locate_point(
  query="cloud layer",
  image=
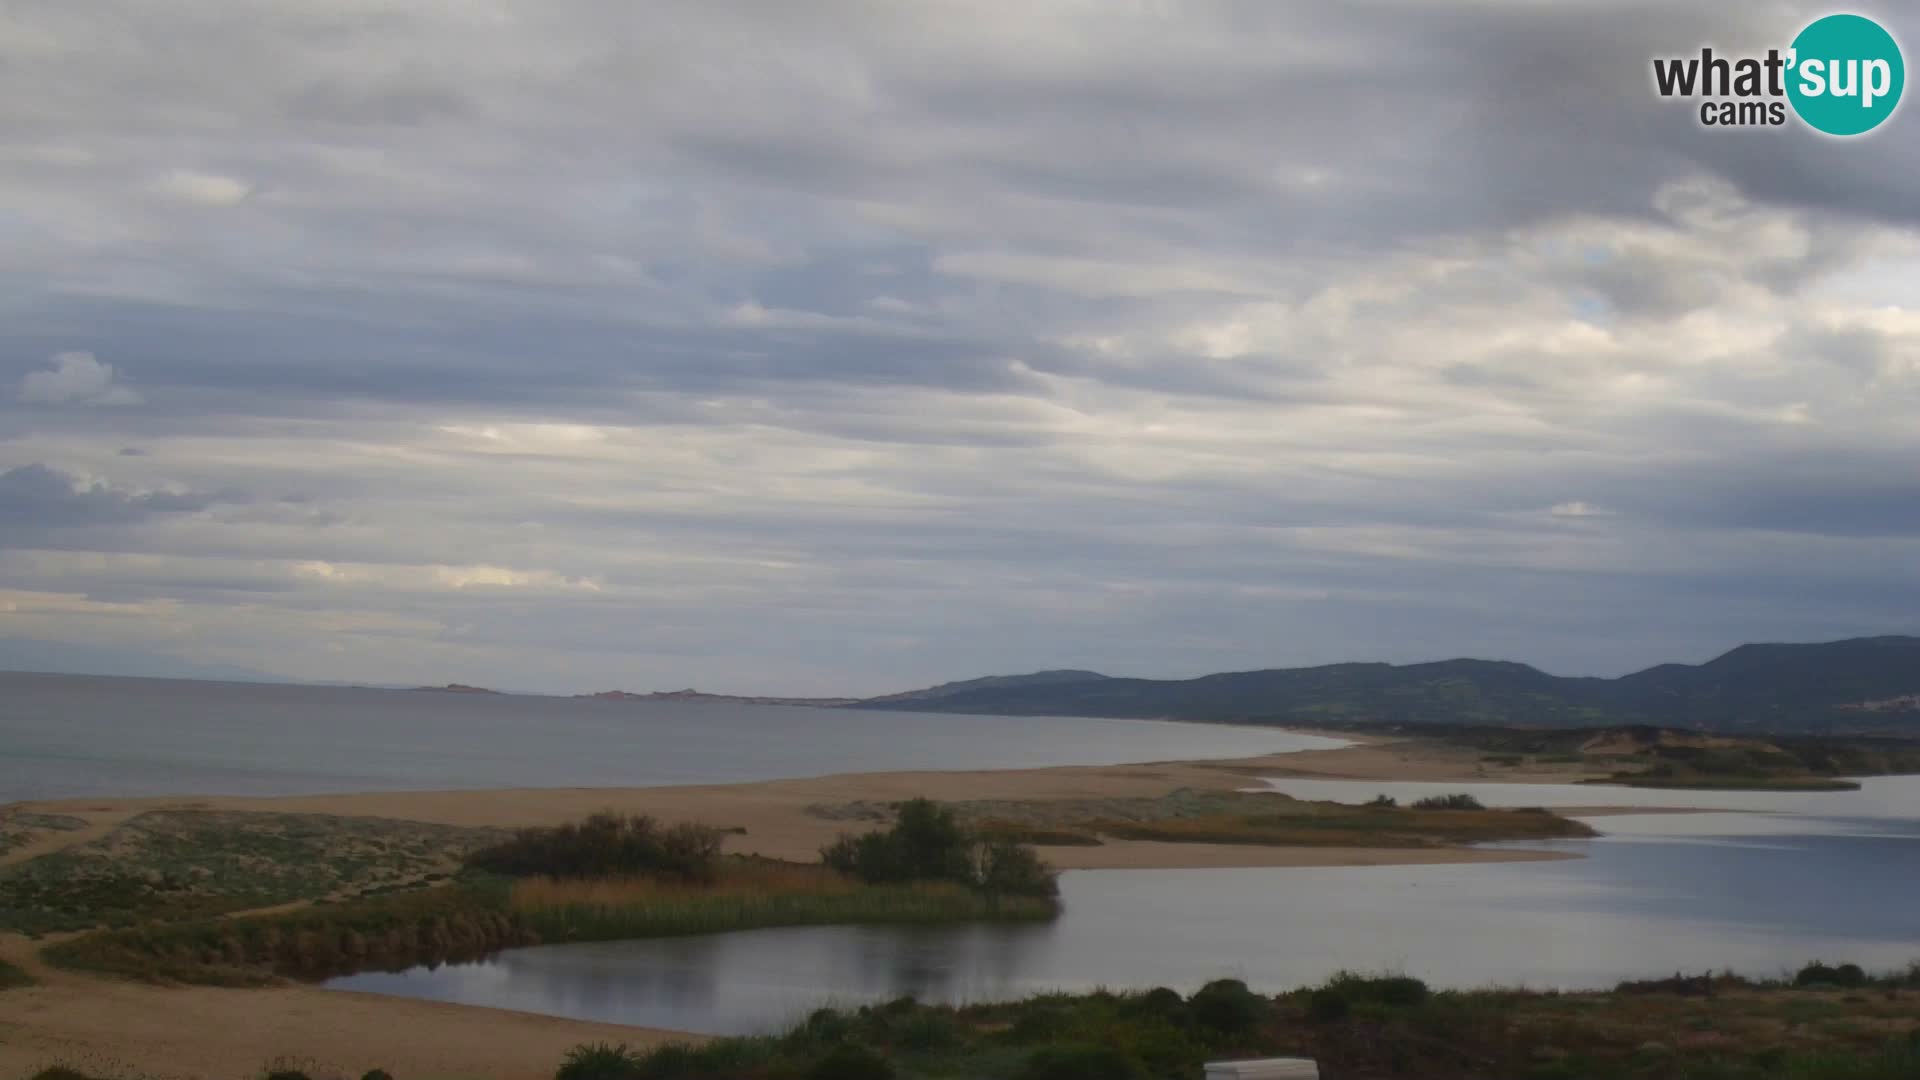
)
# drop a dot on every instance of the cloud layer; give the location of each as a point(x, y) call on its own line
point(566, 346)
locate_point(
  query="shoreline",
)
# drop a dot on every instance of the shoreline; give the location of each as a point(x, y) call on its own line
point(74, 1017)
point(777, 822)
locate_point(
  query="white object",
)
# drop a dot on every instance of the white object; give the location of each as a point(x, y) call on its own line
point(1264, 1069)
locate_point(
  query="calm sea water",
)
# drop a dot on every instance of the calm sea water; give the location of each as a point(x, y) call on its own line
point(67, 735)
point(1784, 880)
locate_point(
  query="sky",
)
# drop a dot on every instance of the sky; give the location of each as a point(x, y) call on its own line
point(842, 348)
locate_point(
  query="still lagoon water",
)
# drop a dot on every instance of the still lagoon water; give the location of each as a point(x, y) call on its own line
point(70, 736)
point(1781, 880)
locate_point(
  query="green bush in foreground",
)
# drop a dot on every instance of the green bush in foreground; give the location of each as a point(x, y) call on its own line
point(609, 1061)
point(851, 1062)
point(1082, 1062)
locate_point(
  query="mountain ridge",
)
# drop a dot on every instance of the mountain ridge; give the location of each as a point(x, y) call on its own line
point(1816, 687)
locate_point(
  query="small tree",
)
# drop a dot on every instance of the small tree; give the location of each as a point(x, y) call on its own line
point(927, 843)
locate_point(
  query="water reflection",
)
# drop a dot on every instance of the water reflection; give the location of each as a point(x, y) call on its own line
point(1657, 895)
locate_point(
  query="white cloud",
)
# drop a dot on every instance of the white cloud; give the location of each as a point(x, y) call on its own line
point(202, 188)
point(76, 378)
point(1578, 509)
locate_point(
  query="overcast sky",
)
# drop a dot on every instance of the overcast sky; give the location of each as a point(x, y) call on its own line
point(848, 347)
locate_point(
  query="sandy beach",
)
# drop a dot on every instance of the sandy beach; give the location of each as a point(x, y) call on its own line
point(204, 1032)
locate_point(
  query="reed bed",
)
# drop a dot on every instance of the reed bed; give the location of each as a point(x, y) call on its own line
point(747, 896)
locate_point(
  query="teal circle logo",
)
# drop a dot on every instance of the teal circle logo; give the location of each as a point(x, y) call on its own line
point(1847, 75)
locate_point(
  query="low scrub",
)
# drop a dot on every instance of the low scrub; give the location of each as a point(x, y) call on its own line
point(750, 896)
point(605, 845)
point(1460, 801)
point(1372, 1027)
point(436, 925)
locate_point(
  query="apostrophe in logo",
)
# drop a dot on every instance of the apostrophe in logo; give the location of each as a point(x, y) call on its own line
point(1842, 75)
point(1847, 74)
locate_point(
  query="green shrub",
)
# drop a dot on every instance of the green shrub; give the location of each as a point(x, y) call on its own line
point(928, 1029)
point(1397, 991)
point(376, 1074)
point(1327, 1005)
point(1385, 801)
point(851, 1062)
point(823, 1027)
point(605, 845)
point(927, 843)
point(1010, 869)
point(1162, 1003)
point(1448, 802)
point(1078, 1061)
point(1848, 976)
point(1227, 1006)
point(609, 1061)
point(60, 1072)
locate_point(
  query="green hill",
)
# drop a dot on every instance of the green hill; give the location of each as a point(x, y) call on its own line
point(1861, 685)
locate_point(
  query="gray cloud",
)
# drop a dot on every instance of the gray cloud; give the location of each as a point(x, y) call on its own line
point(36, 498)
point(850, 348)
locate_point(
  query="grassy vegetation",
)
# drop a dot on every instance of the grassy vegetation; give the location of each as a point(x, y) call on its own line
point(187, 864)
point(433, 925)
point(1232, 817)
point(470, 920)
point(1356, 1027)
point(609, 877)
point(12, 977)
point(745, 894)
point(19, 828)
point(605, 845)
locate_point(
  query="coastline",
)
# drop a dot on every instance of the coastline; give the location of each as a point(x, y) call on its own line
point(202, 1031)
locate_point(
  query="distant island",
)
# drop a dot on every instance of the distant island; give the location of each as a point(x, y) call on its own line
point(455, 688)
point(734, 699)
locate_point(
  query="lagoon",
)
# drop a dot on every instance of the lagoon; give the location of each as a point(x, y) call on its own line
point(1760, 890)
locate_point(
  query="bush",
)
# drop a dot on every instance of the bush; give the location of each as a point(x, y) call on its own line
point(851, 1062)
point(1848, 976)
point(1448, 802)
point(1076, 1061)
point(376, 1074)
point(605, 845)
point(824, 1027)
point(1327, 1005)
point(1227, 1006)
point(1397, 991)
point(1010, 869)
point(607, 1061)
point(1384, 801)
point(927, 843)
point(1162, 1003)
